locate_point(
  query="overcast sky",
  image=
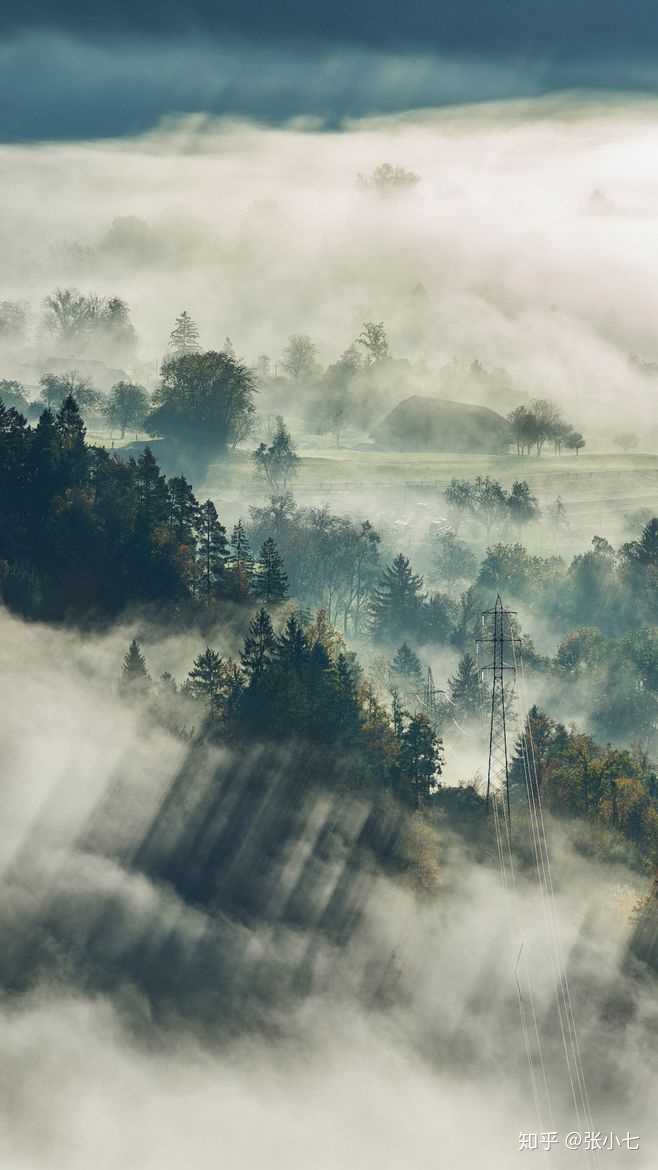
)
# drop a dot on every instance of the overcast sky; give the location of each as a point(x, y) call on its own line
point(69, 69)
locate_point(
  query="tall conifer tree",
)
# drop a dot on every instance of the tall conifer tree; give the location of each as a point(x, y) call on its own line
point(270, 577)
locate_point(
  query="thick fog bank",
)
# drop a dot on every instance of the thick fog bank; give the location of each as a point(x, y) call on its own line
point(368, 1026)
point(529, 235)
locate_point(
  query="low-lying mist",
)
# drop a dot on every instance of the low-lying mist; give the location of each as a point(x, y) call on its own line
point(529, 231)
point(314, 1010)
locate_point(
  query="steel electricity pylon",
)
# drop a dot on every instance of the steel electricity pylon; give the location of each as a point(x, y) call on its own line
point(497, 634)
point(431, 698)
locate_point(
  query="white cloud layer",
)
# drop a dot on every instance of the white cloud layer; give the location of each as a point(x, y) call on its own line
point(532, 229)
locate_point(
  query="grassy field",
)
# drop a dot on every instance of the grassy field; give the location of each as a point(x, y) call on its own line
point(606, 476)
point(604, 493)
point(587, 475)
point(593, 486)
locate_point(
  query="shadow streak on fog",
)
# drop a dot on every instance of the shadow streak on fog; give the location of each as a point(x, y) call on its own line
point(203, 966)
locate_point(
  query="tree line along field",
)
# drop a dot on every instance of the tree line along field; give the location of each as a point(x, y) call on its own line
point(589, 485)
point(593, 473)
point(86, 537)
point(608, 474)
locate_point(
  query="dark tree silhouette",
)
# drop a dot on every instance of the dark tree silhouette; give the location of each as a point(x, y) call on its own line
point(406, 666)
point(152, 496)
point(206, 679)
point(420, 760)
point(521, 504)
point(373, 339)
point(397, 602)
point(204, 400)
point(258, 647)
point(465, 688)
point(135, 678)
point(183, 517)
point(240, 562)
point(212, 546)
point(127, 406)
point(270, 580)
point(279, 462)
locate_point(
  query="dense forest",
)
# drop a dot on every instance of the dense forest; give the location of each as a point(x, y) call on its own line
point(89, 534)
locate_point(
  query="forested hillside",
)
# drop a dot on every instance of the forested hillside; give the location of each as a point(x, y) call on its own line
point(328, 619)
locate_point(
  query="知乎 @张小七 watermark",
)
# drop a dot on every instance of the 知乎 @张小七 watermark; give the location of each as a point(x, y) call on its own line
point(579, 1140)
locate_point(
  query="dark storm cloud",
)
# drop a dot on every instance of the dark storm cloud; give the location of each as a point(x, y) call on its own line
point(571, 28)
point(73, 70)
point(53, 86)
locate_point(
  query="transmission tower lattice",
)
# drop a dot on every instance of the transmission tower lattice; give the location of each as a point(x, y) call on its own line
point(498, 634)
point(431, 698)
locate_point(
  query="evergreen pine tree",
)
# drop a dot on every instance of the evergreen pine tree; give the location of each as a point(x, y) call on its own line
point(291, 649)
point(406, 667)
point(206, 678)
point(398, 714)
point(134, 675)
point(465, 688)
point(284, 707)
point(531, 751)
point(151, 491)
point(183, 510)
point(212, 548)
point(421, 758)
point(240, 550)
point(270, 577)
point(319, 693)
point(232, 689)
point(396, 607)
point(347, 709)
point(15, 469)
point(241, 562)
point(259, 644)
point(440, 616)
point(71, 428)
point(74, 455)
point(45, 479)
point(184, 337)
point(182, 523)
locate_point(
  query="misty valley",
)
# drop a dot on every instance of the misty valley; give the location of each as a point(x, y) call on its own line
point(329, 628)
